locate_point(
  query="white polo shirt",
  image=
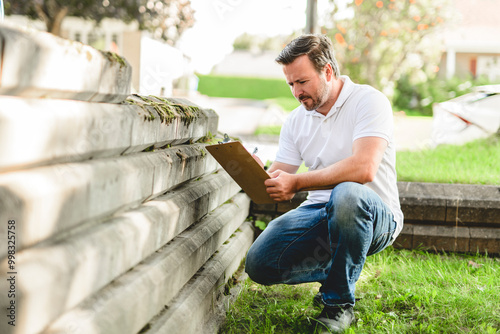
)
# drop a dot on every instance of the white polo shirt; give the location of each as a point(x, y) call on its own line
point(320, 141)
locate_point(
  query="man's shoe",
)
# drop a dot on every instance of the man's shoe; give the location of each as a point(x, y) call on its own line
point(336, 319)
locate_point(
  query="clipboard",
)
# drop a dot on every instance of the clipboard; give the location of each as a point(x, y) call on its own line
point(244, 170)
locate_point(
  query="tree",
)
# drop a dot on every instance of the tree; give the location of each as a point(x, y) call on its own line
point(382, 40)
point(261, 43)
point(166, 19)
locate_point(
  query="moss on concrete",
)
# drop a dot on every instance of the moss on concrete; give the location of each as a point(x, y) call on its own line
point(149, 116)
point(187, 113)
point(114, 58)
point(167, 110)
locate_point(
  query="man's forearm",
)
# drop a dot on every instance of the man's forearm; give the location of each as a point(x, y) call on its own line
point(347, 170)
point(361, 167)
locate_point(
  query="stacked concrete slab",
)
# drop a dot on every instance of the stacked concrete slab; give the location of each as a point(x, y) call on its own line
point(438, 217)
point(450, 217)
point(123, 221)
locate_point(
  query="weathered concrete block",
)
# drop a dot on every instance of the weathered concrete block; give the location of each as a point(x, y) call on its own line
point(188, 161)
point(485, 240)
point(169, 122)
point(473, 204)
point(192, 307)
point(36, 132)
point(40, 65)
point(422, 201)
point(405, 238)
point(71, 269)
point(441, 238)
point(145, 290)
point(39, 131)
point(48, 200)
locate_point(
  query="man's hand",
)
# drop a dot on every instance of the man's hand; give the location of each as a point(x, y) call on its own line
point(256, 158)
point(282, 186)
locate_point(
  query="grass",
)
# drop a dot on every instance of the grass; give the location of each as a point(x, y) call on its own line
point(476, 162)
point(243, 87)
point(286, 103)
point(268, 130)
point(400, 291)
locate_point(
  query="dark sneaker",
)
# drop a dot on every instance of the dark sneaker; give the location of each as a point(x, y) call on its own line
point(336, 319)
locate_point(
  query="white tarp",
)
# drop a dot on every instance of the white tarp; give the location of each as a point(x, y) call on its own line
point(468, 117)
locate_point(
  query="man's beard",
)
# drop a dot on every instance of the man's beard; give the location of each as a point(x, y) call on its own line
point(318, 101)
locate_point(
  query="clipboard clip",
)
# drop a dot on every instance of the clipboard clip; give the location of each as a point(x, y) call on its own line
point(225, 140)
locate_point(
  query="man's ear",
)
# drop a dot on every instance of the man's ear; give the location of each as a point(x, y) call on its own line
point(329, 72)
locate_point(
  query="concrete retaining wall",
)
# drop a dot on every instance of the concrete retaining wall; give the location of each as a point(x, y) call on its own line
point(438, 217)
point(450, 217)
point(111, 212)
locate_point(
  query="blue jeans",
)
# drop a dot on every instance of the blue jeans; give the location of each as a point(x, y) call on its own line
point(326, 243)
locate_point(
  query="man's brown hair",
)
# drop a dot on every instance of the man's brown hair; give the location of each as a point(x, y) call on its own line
point(318, 48)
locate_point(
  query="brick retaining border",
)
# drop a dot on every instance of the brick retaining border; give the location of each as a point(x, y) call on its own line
point(438, 217)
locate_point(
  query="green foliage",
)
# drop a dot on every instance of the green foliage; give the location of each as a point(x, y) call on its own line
point(243, 87)
point(384, 39)
point(268, 130)
point(259, 43)
point(260, 224)
point(399, 291)
point(419, 96)
point(244, 42)
point(477, 162)
point(156, 16)
point(286, 103)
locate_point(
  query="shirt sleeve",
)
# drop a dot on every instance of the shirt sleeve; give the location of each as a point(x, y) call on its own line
point(287, 150)
point(374, 117)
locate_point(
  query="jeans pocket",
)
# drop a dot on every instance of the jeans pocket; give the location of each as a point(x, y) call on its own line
point(381, 242)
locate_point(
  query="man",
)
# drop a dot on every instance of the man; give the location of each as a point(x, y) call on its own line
point(343, 132)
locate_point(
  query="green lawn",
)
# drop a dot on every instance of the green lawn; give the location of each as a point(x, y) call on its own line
point(477, 162)
point(400, 291)
point(243, 87)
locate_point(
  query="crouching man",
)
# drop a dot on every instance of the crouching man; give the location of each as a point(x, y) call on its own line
point(343, 132)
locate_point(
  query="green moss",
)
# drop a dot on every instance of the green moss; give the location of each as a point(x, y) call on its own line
point(114, 58)
point(149, 149)
point(187, 113)
point(149, 115)
point(166, 109)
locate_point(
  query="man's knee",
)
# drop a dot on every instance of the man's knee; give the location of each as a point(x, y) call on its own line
point(256, 268)
point(347, 199)
point(252, 265)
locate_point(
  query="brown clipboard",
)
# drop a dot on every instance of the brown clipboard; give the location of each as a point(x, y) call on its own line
point(244, 170)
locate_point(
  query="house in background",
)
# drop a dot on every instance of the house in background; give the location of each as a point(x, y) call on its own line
point(472, 44)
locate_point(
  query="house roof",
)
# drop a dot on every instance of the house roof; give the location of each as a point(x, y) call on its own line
point(475, 27)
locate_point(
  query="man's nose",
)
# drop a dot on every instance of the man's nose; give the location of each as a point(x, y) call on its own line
point(296, 91)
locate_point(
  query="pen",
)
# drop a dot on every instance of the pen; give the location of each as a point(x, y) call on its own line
point(255, 150)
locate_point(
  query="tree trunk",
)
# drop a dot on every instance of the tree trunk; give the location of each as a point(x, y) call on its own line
point(57, 21)
point(52, 15)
